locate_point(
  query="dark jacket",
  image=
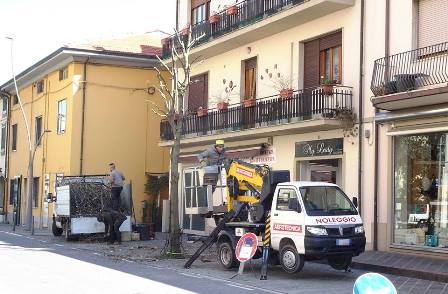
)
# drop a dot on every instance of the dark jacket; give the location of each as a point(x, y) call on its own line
point(212, 156)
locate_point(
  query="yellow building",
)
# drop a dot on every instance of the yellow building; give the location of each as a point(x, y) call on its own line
point(94, 100)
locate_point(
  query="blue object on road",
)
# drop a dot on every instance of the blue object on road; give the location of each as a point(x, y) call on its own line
point(373, 283)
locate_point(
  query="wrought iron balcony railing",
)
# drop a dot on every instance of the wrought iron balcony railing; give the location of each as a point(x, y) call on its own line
point(273, 110)
point(410, 70)
point(246, 13)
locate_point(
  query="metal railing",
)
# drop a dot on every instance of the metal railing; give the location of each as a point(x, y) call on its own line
point(273, 110)
point(410, 70)
point(247, 12)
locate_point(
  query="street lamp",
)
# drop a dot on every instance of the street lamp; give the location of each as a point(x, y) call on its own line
point(30, 164)
point(31, 180)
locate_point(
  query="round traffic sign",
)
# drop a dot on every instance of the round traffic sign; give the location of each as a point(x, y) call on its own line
point(246, 247)
point(373, 283)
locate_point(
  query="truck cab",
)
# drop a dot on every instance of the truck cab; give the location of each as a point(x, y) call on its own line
point(315, 220)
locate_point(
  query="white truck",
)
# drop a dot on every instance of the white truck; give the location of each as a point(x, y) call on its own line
point(78, 201)
point(293, 221)
point(309, 220)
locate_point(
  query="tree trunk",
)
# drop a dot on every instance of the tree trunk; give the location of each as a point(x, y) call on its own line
point(175, 246)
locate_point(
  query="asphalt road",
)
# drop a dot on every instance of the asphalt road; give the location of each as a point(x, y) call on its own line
point(33, 264)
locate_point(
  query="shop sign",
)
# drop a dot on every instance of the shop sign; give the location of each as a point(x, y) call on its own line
point(268, 157)
point(320, 148)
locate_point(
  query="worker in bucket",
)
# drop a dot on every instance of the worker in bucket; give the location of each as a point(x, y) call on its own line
point(214, 155)
point(112, 220)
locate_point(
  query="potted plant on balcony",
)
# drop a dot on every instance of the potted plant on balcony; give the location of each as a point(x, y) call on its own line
point(215, 16)
point(282, 83)
point(185, 30)
point(202, 112)
point(224, 97)
point(232, 9)
point(327, 86)
point(249, 102)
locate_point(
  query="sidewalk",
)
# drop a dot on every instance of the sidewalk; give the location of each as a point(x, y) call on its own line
point(407, 265)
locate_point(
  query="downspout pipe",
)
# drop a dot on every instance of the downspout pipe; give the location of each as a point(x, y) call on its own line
point(377, 137)
point(360, 106)
point(83, 112)
point(177, 14)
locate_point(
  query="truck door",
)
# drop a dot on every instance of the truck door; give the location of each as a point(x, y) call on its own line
point(287, 222)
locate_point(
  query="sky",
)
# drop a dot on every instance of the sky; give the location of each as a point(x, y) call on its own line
point(40, 27)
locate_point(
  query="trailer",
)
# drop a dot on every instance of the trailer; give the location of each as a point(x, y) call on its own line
point(79, 200)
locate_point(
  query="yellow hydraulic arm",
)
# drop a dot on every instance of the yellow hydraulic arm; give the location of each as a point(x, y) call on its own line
point(243, 177)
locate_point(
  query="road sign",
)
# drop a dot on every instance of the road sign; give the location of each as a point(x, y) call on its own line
point(246, 247)
point(373, 283)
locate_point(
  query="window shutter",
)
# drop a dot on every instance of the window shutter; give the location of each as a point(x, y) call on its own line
point(311, 64)
point(198, 92)
point(330, 41)
point(432, 22)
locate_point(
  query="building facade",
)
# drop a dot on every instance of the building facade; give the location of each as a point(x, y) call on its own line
point(94, 103)
point(297, 70)
point(409, 75)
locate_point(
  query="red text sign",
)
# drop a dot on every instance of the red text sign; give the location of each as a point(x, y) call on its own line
point(288, 228)
point(244, 172)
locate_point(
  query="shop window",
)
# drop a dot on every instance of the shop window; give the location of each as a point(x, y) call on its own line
point(421, 190)
point(330, 64)
point(283, 198)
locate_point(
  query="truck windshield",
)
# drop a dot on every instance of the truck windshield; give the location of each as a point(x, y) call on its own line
point(330, 200)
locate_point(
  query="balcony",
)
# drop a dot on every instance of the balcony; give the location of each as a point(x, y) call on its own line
point(305, 110)
point(411, 79)
point(234, 29)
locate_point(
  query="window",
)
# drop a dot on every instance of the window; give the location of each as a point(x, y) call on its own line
point(283, 198)
point(36, 192)
point(326, 200)
point(200, 11)
point(432, 23)
point(3, 139)
point(63, 73)
point(420, 190)
point(38, 131)
point(14, 191)
point(40, 87)
point(195, 196)
point(4, 106)
point(330, 64)
point(14, 137)
point(15, 99)
point(62, 116)
point(250, 78)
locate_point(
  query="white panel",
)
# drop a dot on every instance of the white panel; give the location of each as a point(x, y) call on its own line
point(62, 205)
point(90, 225)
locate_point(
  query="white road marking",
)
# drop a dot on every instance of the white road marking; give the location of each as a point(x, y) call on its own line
point(60, 245)
point(192, 276)
point(241, 287)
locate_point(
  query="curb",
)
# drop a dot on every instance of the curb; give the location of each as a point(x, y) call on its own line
point(431, 276)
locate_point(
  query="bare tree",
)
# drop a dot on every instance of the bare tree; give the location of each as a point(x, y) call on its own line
point(174, 109)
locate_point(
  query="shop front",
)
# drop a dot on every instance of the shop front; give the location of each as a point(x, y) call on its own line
point(420, 190)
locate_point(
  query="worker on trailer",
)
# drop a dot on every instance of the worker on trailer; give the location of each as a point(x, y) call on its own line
point(112, 220)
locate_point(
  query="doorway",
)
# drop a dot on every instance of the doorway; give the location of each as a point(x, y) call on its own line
point(324, 170)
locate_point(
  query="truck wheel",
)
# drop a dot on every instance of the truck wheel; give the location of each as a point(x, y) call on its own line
point(56, 230)
point(290, 260)
point(340, 262)
point(226, 255)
